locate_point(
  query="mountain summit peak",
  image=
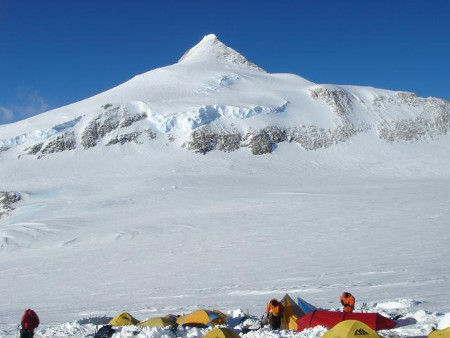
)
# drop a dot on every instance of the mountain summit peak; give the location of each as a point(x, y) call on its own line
point(209, 37)
point(211, 48)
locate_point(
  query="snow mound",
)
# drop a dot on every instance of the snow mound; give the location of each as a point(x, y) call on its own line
point(444, 322)
point(397, 304)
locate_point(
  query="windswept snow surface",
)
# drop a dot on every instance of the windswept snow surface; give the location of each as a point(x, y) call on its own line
point(152, 228)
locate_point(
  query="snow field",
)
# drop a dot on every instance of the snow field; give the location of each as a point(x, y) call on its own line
point(155, 232)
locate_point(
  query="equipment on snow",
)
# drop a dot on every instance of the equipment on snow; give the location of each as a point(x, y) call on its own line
point(264, 319)
point(105, 332)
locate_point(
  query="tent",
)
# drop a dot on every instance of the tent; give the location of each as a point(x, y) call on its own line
point(305, 306)
point(158, 322)
point(171, 317)
point(123, 319)
point(330, 318)
point(222, 332)
point(203, 318)
point(444, 333)
point(292, 313)
point(351, 329)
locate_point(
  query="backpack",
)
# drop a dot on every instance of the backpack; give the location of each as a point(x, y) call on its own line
point(105, 332)
point(30, 320)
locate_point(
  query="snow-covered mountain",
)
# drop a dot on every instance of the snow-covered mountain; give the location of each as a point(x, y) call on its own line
point(106, 205)
point(215, 99)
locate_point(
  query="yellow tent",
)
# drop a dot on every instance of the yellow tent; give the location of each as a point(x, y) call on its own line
point(203, 318)
point(171, 317)
point(444, 333)
point(158, 322)
point(123, 319)
point(222, 332)
point(291, 313)
point(351, 329)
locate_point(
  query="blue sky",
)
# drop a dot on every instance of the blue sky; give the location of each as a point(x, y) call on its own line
point(56, 52)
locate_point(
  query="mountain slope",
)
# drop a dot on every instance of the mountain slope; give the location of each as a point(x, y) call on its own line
point(214, 98)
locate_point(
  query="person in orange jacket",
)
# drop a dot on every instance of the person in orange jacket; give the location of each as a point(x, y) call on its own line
point(348, 302)
point(274, 311)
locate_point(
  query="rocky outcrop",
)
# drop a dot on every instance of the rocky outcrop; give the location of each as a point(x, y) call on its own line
point(114, 124)
point(34, 149)
point(338, 99)
point(58, 144)
point(275, 134)
point(204, 140)
point(259, 143)
point(229, 142)
point(313, 138)
point(125, 138)
point(7, 201)
point(114, 118)
point(132, 137)
point(151, 135)
point(263, 141)
point(90, 136)
point(433, 119)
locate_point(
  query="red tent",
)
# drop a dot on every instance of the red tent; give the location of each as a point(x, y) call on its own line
point(329, 319)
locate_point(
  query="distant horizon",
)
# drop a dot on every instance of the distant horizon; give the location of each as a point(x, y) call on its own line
point(58, 53)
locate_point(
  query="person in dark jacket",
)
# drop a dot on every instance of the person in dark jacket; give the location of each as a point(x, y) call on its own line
point(29, 322)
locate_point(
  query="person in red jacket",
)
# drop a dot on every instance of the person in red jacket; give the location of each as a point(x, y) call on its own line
point(348, 302)
point(29, 322)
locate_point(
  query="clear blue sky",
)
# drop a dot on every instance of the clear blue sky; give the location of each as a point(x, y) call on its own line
point(56, 52)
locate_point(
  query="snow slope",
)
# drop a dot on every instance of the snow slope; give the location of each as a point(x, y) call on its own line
point(350, 192)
